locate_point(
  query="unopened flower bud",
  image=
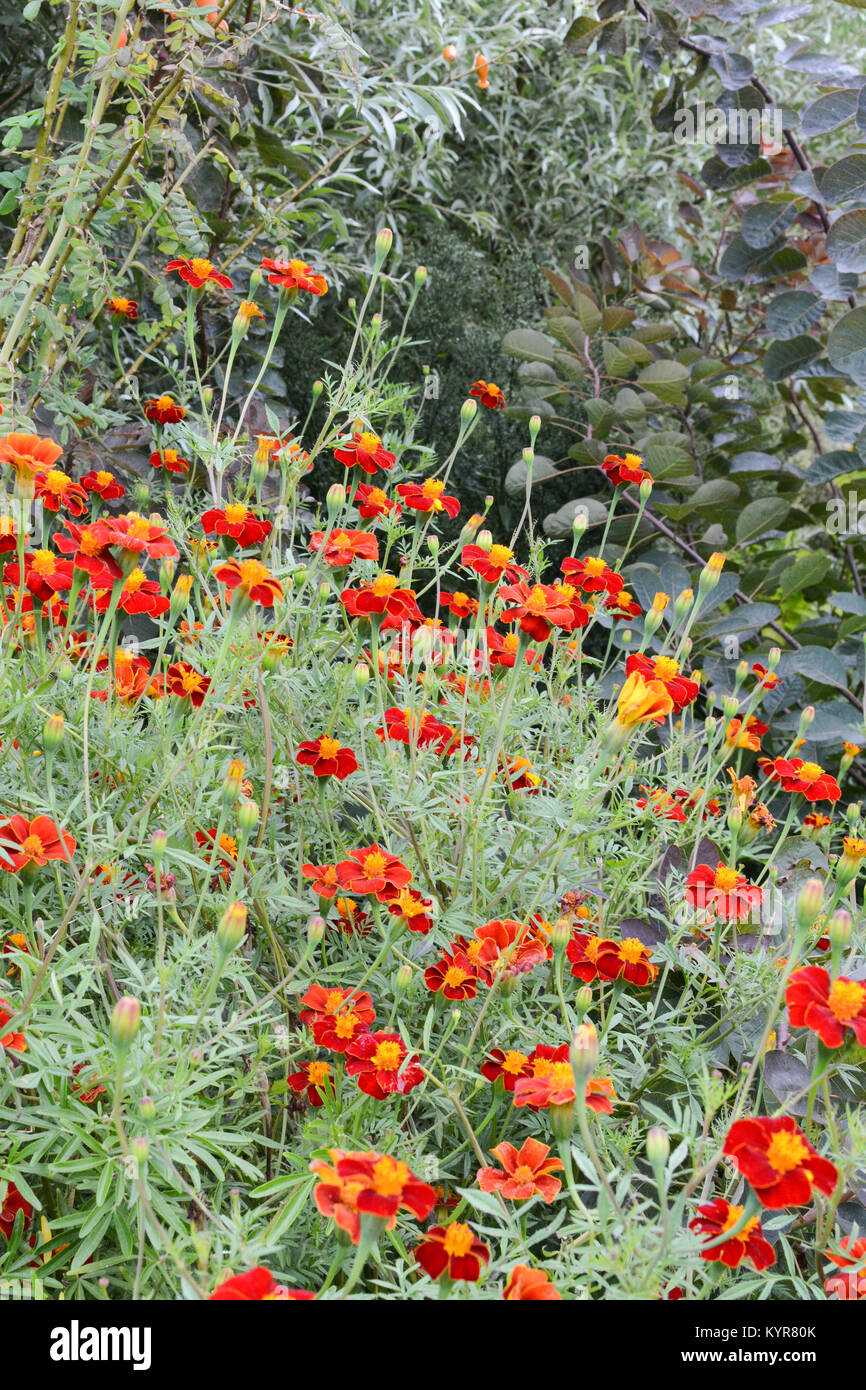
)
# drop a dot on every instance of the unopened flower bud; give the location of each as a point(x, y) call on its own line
point(139, 1148)
point(232, 928)
point(561, 935)
point(248, 816)
point(806, 719)
point(421, 276)
point(484, 540)
point(658, 1146)
point(468, 410)
point(323, 589)
point(166, 573)
point(207, 396)
point(233, 782)
point(53, 733)
point(125, 1020)
point(579, 523)
point(584, 1051)
point(146, 1108)
point(158, 844)
point(730, 706)
point(683, 602)
point(433, 545)
point(810, 900)
point(384, 242)
point(315, 929)
point(255, 281)
point(405, 976)
point(336, 499)
point(839, 929)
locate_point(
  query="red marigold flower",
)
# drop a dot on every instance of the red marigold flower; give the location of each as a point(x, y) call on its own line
point(748, 735)
point(164, 410)
point(382, 598)
point(421, 729)
point(511, 947)
point(187, 683)
point(103, 483)
point(666, 670)
point(816, 821)
point(29, 455)
point(256, 1286)
point(295, 275)
point(510, 1066)
point(526, 1172)
point(850, 1256)
point(136, 535)
point(379, 1062)
point(723, 891)
point(314, 1078)
point(327, 757)
point(124, 308)
point(454, 975)
point(429, 496)
point(582, 950)
point(340, 548)
point(828, 1007)
point(489, 394)
point(55, 489)
point(89, 549)
point(453, 1250)
point(776, 1158)
point(132, 678)
point(460, 604)
point(581, 612)
point(527, 1285)
point(372, 870)
point(88, 1096)
point(252, 580)
point(796, 776)
point(591, 575)
point(12, 1203)
point(600, 1095)
point(351, 919)
point(713, 1219)
point(319, 1003)
point(325, 882)
point(768, 680)
point(25, 843)
point(170, 460)
point(199, 272)
point(410, 908)
point(628, 960)
point(661, 803)
point(502, 651)
point(238, 522)
point(364, 451)
point(357, 1183)
point(44, 574)
point(536, 609)
point(621, 471)
point(551, 1082)
point(490, 565)
point(138, 595)
point(622, 605)
point(372, 502)
point(13, 1042)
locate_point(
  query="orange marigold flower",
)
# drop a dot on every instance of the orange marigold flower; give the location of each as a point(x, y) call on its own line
point(622, 471)
point(123, 308)
point(667, 671)
point(454, 975)
point(55, 489)
point(315, 1078)
point(340, 548)
point(748, 735)
point(849, 1257)
point(257, 1285)
point(410, 908)
point(320, 1002)
point(768, 680)
point(642, 702)
point(489, 394)
point(851, 750)
point(714, 1218)
point(164, 410)
point(353, 1184)
point(251, 580)
point(237, 522)
point(170, 460)
point(372, 870)
point(510, 1066)
point(527, 1285)
point(13, 1042)
point(429, 496)
point(28, 454)
point(295, 275)
point(628, 960)
point(325, 882)
point(382, 1065)
point(29, 844)
point(327, 757)
point(460, 604)
point(103, 483)
point(723, 891)
point(776, 1158)
point(537, 608)
point(526, 1172)
point(372, 502)
point(453, 1250)
point(89, 1095)
point(796, 776)
point(592, 575)
point(134, 535)
point(187, 683)
point(828, 1007)
point(816, 821)
point(199, 272)
point(551, 1083)
point(382, 599)
point(365, 451)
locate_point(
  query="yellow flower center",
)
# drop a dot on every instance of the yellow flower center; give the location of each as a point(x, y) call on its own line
point(201, 268)
point(253, 572)
point(236, 512)
point(809, 773)
point(134, 581)
point(458, 1239)
point(369, 442)
point(523, 1173)
point(514, 1062)
point(725, 878)
point(32, 847)
point(786, 1151)
point(536, 601)
point(385, 584)
point(665, 668)
point(43, 562)
point(390, 1176)
point(454, 976)
point(334, 1000)
point(328, 747)
point(345, 1024)
point(374, 864)
point(56, 481)
point(500, 555)
point(854, 849)
point(165, 402)
point(561, 1074)
point(431, 487)
point(317, 1072)
point(104, 478)
point(846, 1000)
point(409, 906)
point(229, 845)
point(593, 564)
point(191, 680)
point(632, 950)
point(138, 527)
point(387, 1056)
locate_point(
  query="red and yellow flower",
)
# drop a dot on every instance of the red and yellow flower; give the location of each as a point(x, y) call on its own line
point(527, 1285)
point(354, 1184)
point(327, 757)
point(779, 1163)
point(429, 496)
point(295, 275)
point(526, 1172)
point(164, 410)
point(365, 451)
point(724, 892)
point(382, 1065)
point(315, 1078)
point(30, 844)
point(453, 1250)
point(251, 580)
point(199, 272)
point(488, 392)
point(622, 470)
point(237, 522)
point(714, 1218)
point(340, 548)
point(809, 779)
point(828, 1007)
